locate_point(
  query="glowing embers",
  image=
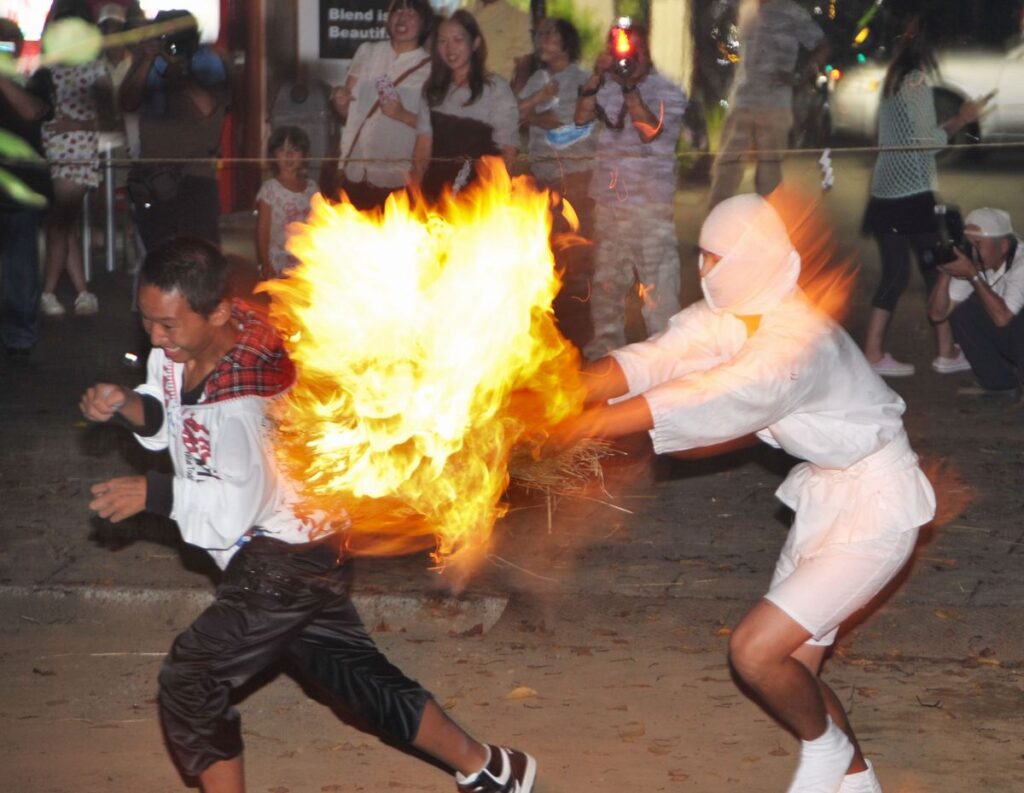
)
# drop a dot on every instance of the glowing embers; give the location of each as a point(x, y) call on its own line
point(425, 347)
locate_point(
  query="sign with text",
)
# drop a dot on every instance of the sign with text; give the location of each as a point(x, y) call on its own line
point(345, 24)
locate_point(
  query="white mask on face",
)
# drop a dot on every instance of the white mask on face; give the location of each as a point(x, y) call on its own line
point(758, 265)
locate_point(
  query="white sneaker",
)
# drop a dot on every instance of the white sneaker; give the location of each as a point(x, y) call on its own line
point(863, 782)
point(50, 305)
point(86, 303)
point(887, 366)
point(957, 363)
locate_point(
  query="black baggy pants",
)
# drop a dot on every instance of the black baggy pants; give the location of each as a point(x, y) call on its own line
point(278, 601)
point(996, 354)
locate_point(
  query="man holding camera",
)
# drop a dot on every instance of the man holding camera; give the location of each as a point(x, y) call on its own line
point(981, 293)
point(181, 91)
point(633, 187)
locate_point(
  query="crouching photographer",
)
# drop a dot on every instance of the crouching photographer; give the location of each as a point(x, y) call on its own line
point(980, 290)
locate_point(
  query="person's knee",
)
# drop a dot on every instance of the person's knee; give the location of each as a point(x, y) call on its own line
point(748, 654)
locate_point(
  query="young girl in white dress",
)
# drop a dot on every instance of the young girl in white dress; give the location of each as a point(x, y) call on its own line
point(283, 199)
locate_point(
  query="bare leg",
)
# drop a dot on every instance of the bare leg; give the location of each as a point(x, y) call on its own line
point(811, 656)
point(761, 652)
point(60, 236)
point(769, 653)
point(874, 340)
point(944, 339)
point(442, 738)
point(224, 776)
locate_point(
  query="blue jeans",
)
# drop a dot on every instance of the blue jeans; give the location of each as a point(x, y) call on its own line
point(19, 284)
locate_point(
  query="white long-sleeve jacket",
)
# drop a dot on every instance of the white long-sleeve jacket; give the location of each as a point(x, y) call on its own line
point(801, 384)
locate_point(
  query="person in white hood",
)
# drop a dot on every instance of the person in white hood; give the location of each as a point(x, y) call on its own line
point(756, 356)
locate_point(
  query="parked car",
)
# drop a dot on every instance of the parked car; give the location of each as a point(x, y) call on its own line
point(962, 74)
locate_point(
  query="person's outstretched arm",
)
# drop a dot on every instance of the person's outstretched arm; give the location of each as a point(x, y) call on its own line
point(122, 496)
point(604, 380)
point(103, 401)
point(602, 422)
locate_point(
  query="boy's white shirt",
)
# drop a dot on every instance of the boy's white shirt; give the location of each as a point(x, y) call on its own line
point(225, 481)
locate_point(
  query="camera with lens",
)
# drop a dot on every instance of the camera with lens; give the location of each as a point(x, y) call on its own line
point(622, 46)
point(182, 42)
point(951, 235)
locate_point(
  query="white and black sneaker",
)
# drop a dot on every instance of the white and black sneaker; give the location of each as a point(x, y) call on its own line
point(508, 771)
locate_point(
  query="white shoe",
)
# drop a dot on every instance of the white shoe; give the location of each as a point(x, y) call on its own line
point(958, 363)
point(863, 782)
point(50, 305)
point(887, 366)
point(86, 303)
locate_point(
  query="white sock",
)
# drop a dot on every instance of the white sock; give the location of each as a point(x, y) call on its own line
point(823, 762)
point(468, 780)
point(862, 781)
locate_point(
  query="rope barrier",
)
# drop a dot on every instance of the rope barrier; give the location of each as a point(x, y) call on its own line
point(221, 162)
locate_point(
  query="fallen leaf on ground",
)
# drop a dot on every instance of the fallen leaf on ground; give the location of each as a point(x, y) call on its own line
point(521, 692)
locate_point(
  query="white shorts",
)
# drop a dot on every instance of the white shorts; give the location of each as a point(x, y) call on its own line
point(821, 590)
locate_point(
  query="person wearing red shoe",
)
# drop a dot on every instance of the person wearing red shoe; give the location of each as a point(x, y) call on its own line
point(981, 295)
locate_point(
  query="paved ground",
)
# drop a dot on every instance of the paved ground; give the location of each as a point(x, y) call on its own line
point(596, 641)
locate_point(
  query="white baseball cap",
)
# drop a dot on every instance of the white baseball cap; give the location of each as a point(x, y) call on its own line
point(988, 222)
point(111, 11)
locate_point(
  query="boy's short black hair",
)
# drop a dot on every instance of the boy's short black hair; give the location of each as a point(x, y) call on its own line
point(192, 266)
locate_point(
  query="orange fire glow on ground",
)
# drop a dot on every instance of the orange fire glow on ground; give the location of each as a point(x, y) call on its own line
point(426, 348)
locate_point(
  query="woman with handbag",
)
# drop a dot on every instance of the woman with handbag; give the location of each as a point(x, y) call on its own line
point(468, 113)
point(379, 103)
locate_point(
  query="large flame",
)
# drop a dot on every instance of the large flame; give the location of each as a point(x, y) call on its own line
point(425, 348)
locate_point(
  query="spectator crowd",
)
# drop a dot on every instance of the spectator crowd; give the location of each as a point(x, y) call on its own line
point(419, 108)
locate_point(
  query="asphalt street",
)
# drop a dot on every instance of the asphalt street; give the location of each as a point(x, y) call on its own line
point(693, 539)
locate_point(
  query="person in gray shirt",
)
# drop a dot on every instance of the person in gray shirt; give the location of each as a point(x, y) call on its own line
point(561, 157)
point(761, 103)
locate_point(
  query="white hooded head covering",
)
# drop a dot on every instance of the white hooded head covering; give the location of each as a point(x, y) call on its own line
point(759, 266)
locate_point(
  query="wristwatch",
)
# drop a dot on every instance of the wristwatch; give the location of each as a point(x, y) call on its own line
point(975, 278)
